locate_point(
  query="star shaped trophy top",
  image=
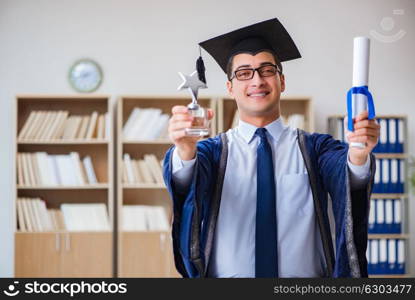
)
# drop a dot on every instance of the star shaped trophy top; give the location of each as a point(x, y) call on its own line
point(194, 82)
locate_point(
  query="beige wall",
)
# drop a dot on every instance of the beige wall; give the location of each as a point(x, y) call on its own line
point(142, 44)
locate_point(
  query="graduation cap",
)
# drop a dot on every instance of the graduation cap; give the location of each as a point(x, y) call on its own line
point(267, 35)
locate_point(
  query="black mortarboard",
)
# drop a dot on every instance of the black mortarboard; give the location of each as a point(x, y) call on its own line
point(266, 35)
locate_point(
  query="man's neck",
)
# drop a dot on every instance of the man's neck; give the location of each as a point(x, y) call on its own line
point(260, 121)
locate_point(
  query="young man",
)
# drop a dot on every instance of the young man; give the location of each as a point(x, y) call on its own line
point(252, 202)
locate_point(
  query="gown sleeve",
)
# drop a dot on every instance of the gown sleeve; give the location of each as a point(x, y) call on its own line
point(189, 207)
point(350, 206)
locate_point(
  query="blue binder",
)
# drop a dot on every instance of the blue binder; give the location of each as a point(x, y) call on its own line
point(397, 223)
point(372, 217)
point(392, 257)
point(399, 136)
point(401, 176)
point(400, 249)
point(378, 175)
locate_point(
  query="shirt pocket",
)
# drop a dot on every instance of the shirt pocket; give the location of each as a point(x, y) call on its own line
point(294, 194)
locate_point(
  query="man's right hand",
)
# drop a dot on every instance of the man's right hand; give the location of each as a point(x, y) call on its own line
point(180, 120)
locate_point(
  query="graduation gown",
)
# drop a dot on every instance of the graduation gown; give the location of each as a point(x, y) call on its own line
point(195, 211)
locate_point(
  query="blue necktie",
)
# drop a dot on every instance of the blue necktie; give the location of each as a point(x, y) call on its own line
point(266, 256)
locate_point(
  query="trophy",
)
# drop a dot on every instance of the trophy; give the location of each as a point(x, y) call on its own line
point(193, 82)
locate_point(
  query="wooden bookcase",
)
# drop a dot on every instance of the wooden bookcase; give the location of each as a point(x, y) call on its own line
point(65, 253)
point(145, 253)
point(226, 108)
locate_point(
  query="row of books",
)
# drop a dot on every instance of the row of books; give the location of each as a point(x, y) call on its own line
point(385, 216)
point(144, 218)
point(42, 169)
point(391, 139)
point(386, 256)
point(86, 216)
point(147, 170)
point(60, 125)
point(34, 216)
point(146, 124)
point(390, 176)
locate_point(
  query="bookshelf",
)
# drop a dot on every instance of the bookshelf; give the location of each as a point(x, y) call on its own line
point(389, 218)
point(65, 253)
point(145, 253)
point(290, 106)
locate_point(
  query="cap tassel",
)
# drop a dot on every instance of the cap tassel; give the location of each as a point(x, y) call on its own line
point(200, 67)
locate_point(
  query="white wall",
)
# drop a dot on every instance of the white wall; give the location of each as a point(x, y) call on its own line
point(142, 44)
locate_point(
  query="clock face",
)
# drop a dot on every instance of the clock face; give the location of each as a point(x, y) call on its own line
point(85, 75)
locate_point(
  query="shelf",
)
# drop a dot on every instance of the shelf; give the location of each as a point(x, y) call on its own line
point(389, 196)
point(60, 187)
point(143, 186)
point(63, 142)
point(388, 236)
point(148, 142)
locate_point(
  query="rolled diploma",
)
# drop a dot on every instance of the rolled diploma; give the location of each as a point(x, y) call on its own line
point(361, 48)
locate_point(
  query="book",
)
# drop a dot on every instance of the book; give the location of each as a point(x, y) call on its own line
point(144, 170)
point(60, 126)
point(50, 125)
point(91, 132)
point(89, 169)
point(101, 127)
point(27, 125)
point(20, 216)
point(129, 168)
point(83, 127)
point(154, 167)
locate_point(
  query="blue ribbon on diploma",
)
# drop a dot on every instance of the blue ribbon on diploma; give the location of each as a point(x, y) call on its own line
point(364, 90)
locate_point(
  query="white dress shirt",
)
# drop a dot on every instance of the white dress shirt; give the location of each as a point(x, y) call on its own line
point(300, 251)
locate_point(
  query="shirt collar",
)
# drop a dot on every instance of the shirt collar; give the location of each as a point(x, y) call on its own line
point(247, 131)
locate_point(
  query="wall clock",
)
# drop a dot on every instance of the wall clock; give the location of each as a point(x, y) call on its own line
point(85, 75)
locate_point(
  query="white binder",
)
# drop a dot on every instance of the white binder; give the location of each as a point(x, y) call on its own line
point(380, 212)
point(383, 131)
point(382, 251)
point(385, 171)
point(400, 131)
point(394, 170)
point(392, 251)
point(377, 173)
point(372, 212)
point(374, 248)
point(392, 131)
point(388, 212)
point(401, 251)
point(397, 211)
point(402, 174)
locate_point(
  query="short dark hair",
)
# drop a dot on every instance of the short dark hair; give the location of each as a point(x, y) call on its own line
point(229, 66)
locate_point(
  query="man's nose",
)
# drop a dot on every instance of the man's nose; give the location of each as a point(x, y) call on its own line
point(257, 80)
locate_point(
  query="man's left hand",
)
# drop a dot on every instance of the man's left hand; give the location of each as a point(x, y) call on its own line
point(366, 132)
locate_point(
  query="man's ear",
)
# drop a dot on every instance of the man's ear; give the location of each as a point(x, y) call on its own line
point(282, 81)
point(229, 87)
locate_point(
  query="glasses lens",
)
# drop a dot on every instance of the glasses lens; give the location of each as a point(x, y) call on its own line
point(266, 71)
point(244, 74)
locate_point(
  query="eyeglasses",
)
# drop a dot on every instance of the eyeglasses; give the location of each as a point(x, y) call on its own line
point(263, 71)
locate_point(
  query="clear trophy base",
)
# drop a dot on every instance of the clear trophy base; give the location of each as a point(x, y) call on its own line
point(197, 131)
